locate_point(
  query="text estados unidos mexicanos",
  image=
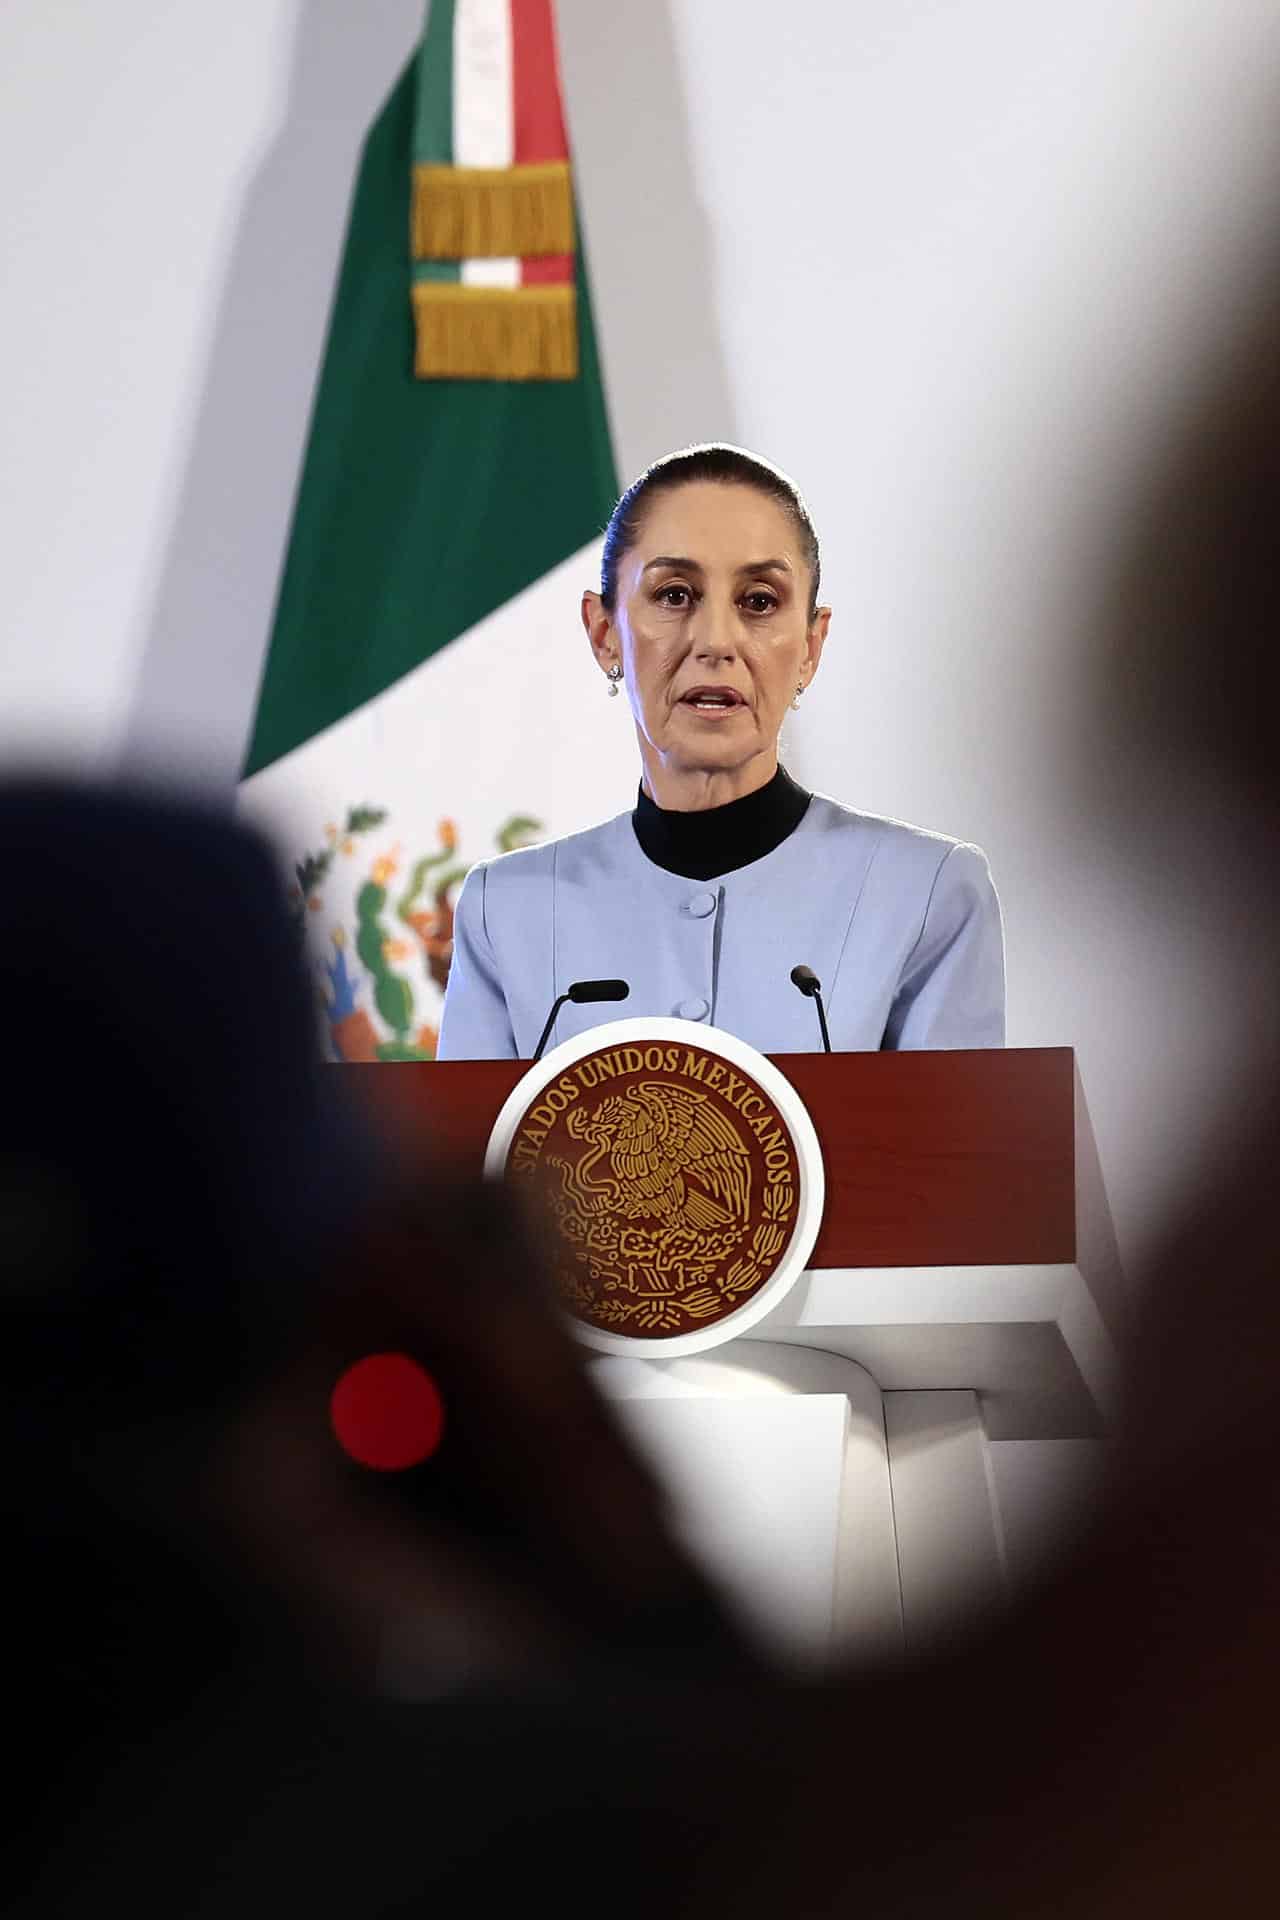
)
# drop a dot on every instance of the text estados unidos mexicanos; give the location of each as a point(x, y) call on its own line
point(710, 1073)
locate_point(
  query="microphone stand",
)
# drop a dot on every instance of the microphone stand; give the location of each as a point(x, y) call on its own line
point(811, 987)
point(582, 993)
point(551, 1020)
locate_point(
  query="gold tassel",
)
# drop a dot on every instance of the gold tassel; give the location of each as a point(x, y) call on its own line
point(495, 333)
point(492, 213)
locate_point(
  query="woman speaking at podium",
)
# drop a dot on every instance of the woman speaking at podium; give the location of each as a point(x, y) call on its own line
point(727, 875)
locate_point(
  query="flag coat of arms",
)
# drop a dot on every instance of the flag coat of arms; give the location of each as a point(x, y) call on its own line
point(428, 698)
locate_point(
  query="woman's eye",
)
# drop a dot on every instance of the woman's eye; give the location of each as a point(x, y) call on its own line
point(674, 596)
point(760, 601)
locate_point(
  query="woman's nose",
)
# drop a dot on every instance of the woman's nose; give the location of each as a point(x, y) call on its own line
point(715, 633)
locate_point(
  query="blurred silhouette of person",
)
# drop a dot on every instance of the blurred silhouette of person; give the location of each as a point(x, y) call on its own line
point(200, 1230)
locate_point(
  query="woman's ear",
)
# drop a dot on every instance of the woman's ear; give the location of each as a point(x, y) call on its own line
point(815, 641)
point(598, 622)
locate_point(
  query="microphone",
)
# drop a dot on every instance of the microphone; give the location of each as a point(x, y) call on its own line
point(811, 987)
point(582, 993)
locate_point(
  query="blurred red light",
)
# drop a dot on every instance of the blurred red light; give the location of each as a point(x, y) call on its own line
point(387, 1413)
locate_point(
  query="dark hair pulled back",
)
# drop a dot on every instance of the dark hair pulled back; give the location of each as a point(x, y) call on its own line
point(728, 465)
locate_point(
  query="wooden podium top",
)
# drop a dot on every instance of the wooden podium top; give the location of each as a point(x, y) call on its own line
point(932, 1159)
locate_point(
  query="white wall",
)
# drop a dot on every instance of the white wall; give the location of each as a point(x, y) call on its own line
point(945, 262)
point(173, 182)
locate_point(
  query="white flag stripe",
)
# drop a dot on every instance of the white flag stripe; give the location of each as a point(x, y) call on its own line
point(483, 91)
point(511, 719)
point(491, 273)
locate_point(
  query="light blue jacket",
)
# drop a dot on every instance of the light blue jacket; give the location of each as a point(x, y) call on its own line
point(902, 927)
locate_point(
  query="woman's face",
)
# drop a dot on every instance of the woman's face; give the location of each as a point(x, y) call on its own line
point(711, 628)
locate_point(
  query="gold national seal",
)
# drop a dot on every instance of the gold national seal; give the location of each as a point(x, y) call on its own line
point(672, 1180)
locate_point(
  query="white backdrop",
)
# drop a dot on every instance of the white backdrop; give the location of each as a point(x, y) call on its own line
point(944, 262)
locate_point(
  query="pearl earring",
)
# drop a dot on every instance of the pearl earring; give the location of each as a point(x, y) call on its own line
point(795, 703)
point(615, 674)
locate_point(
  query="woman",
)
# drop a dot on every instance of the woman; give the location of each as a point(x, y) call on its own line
point(727, 874)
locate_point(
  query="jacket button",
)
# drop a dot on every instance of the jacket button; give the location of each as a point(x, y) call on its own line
point(700, 905)
point(692, 1010)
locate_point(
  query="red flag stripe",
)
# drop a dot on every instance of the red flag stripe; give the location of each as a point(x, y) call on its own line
point(546, 269)
point(538, 115)
point(535, 68)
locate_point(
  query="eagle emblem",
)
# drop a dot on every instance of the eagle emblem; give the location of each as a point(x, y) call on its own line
point(652, 1195)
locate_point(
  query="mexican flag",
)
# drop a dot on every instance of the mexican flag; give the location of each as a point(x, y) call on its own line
point(428, 697)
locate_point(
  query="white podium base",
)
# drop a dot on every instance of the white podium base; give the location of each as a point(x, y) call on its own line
point(776, 1464)
point(837, 1520)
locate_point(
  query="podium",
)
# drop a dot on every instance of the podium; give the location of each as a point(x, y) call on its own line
point(965, 1289)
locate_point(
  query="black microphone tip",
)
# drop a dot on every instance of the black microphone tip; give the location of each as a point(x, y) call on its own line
point(583, 992)
point(806, 979)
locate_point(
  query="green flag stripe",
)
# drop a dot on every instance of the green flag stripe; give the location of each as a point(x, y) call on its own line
point(424, 504)
point(437, 269)
point(433, 121)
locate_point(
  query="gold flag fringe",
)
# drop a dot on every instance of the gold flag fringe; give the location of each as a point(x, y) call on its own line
point(492, 213)
point(495, 333)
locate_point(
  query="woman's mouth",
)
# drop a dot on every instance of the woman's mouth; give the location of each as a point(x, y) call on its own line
point(714, 702)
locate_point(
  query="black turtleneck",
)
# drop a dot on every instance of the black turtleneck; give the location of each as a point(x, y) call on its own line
point(719, 839)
